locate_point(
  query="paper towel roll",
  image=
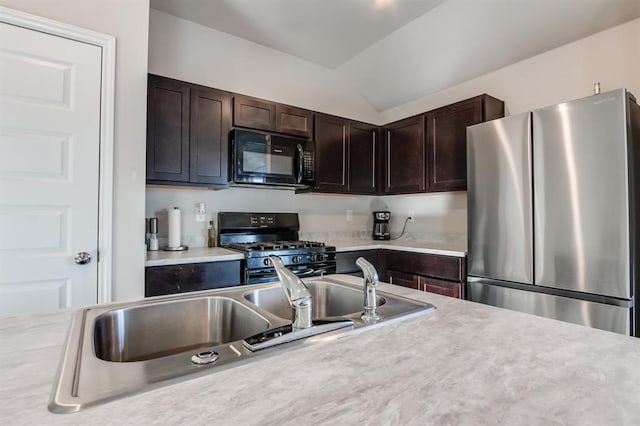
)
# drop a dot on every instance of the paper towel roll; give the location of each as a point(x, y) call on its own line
point(174, 227)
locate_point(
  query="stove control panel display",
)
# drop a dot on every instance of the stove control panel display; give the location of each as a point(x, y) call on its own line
point(262, 220)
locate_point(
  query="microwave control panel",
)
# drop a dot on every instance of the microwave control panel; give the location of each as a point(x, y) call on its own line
point(308, 166)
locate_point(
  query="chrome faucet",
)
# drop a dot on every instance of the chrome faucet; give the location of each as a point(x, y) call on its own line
point(370, 284)
point(297, 294)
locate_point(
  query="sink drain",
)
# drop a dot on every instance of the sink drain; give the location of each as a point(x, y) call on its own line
point(206, 357)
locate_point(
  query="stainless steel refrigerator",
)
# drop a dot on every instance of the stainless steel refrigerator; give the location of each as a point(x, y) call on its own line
point(553, 220)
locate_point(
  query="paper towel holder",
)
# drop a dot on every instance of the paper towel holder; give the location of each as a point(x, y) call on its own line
point(175, 215)
point(179, 248)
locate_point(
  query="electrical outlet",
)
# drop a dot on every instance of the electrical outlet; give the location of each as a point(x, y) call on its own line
point(349, 215)
point(200, 212)
point(412, 216)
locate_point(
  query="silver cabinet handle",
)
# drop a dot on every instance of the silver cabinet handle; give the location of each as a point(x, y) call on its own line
point(82, 258)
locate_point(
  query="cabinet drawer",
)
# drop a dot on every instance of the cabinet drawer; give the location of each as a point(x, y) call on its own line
point(346, 260)
point(430, 265)
point(170, 279)
point(445, 288)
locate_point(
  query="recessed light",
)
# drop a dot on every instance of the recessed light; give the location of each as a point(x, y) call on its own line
point(381, 4)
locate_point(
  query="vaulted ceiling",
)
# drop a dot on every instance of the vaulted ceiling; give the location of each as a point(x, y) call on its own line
point(395, 51)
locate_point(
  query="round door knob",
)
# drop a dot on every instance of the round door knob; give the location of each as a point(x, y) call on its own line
point(82, 258)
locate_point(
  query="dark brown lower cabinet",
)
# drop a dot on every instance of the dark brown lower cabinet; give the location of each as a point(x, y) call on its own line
point(445, 275)
point(171, 279)
point(346, 261)
point(445, 288)
point(403, 279)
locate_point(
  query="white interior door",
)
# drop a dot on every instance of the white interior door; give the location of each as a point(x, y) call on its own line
point(49, 170)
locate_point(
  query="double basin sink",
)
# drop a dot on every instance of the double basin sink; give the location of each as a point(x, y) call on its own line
point(121, 349)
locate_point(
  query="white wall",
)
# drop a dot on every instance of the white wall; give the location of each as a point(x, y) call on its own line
point(128, 21)
point(187, 51)
point(322, 216)
point(191, 52)
point(440, 216)
point(611, 57)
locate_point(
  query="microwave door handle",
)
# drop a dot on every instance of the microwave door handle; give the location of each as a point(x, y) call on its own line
point(300, 162)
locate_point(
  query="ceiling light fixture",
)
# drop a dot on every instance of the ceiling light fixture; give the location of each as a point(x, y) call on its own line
point(381, 4)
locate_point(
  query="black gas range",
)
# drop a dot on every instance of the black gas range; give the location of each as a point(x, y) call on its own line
point(260, 235)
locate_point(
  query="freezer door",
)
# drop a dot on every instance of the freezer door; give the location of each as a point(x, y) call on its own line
point(499, 198)
point(581, 196)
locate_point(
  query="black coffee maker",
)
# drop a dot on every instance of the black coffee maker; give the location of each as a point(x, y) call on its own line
point(381, 225)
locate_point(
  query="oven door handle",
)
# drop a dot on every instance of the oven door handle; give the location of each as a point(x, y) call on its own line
point(320, 270)
point(300, 162)
point(306, 273)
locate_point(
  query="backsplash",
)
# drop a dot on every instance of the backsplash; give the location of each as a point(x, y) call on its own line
point(323, 217)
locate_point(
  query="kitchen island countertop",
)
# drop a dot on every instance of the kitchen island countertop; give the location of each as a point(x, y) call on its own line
point(465, 363)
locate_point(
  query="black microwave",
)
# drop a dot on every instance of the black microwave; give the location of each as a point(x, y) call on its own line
point(259, 158)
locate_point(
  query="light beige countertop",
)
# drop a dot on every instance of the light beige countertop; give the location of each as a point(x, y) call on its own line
point(446, 248)
point(193, 255)
point(217, 254)
point(464, 363)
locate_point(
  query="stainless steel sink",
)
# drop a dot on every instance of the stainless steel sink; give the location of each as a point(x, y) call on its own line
point(157, 330)
point(329, 300)
point(120, 349)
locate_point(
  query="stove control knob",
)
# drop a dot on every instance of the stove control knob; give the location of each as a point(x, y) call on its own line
point(267, 262)
point(295, 259)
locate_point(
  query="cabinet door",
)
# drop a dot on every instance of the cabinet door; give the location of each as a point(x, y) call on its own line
point(331, 153)
point(362, 158)
point(403, 279)
point(447, 143)
point(209, 135)
point(445, 288)
point(167, 130)
point(405, 156)
point(294, 121)
point(254, 113)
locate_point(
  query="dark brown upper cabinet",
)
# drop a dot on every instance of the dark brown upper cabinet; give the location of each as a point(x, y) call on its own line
point(167, 130)
point(362, 154)
point(272, 117)
point(404, 156)
point(346, 156)
point(331, 153)
point(209, 136)
point(294, 121)
point(188, 127)
point(187, 133)
point(254, 113)
point(447, 139)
